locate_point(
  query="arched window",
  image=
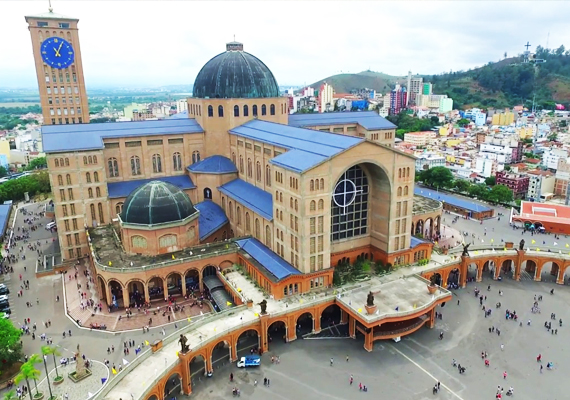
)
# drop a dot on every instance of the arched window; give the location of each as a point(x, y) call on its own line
point(60, 180)
point(272, 109)
point(220, 111)
point(88, 177)
point(96, 176)
point(408, 172)
point(138, 242)
point(68, 179)
point(98, 191)
point(207, 193)
point(321, 204)
point(61, 162)
point(101, 217)
point(245, 111)
point(296, 205)
point(281, 197)
point(210, 111)
point(119, 208)
point(167, 241)
point(267, 236)
point(249, 168)
point(56, 162)
point(405, 190)
point(258, 171)
point(84, 160)
point(90, 193)
point(90, 160)
point(135, 165)
point(195, 157)
point(113, 166)
point(291, 203)
point(224, 235)
point(247, 222)
point(224, 204)
point(317, 184)
point(400, 191)
point(263, 109)
point(322, 183)
point(236, 111)
point(313, 205)
point(238, 215)
point(234, 158)
point(268, 175)
point(66, 162)
point(177, 162)
point(231, 210)
point(93, 217)
point(257, 229)
point(94, 159)
point(255, 110)
point(241, 164)
point(399, 172)
point(312, 185)
point(156, 163)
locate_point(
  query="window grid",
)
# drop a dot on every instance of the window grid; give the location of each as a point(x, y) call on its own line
point(351, 220)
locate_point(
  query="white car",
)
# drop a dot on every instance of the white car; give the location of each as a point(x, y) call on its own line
point(6, 316)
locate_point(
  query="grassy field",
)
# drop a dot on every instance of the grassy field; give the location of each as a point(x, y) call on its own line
point(11, 105)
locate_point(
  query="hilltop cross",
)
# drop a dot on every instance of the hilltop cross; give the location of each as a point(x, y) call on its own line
point(527, 45)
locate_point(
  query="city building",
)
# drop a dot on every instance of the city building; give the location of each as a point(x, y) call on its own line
point(429, 160)
point(516, 182)
point(181, 106)
point(59, 69)
point(419, 138)
point(485, 167)
point(540, 185)
point(551, 157)
point(414, 88)
point(398, 98)
point(554, 218)
point(504, 118)
point(561, 178)
point(427, 88)
point(445, 105)
point(325, 98)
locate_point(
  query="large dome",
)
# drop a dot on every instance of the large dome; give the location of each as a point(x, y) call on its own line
point(156, 202)
point(235, 74)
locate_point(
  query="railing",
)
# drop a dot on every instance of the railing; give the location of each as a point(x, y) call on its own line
point(232, 286)
point(210, 317)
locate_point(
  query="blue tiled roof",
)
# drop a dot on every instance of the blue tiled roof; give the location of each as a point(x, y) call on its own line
point(213, 165)
point(369, 120)
point(450, 199)
point(252, 197)
point(274, 264)
point(74, 137)
point(4, 217)
point(180, 115)
point(123, 189)
point(414, 241)
point(211, 218)
point(311, 147)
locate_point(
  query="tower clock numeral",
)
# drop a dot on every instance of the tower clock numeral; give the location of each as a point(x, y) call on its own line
point(55, 40)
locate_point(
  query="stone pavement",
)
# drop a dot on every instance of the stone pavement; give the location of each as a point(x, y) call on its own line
point(81, 390)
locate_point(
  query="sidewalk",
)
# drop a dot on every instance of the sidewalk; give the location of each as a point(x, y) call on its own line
point(111, 320)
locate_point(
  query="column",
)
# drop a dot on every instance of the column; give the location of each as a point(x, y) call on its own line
point(263, 332)
point(291, 334)
point(109, 295)
point(497, 270)
point(186, 384)
point(126, 300)
point(368, 340)
point(537, 272)
point(233, 352)
point(431, 318)
point(352, 326)
point(317, 324)
point(165, 288)
point(146, 294)
point(183, 286)
point(479, 273)
point(560, 277)
point(209, 362)
point(343, 317)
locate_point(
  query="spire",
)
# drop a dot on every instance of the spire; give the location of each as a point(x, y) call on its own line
point(50, 8)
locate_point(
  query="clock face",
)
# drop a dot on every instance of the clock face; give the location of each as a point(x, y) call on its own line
point(57, 52)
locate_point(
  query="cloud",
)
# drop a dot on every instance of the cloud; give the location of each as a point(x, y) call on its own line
point(152, 43)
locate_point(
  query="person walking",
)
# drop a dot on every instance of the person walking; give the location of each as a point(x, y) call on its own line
point(351, 379)
point(347, 358)
point(505, 375)
point(332, 362)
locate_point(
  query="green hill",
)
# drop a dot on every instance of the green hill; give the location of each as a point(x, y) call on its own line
point(345, 83)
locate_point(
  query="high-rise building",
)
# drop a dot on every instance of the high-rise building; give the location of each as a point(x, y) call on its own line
point(414, 88)
point(427, 88)
point(398, 98)
point(57, 55)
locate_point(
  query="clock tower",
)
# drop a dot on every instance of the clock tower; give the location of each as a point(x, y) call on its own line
point(55, 43)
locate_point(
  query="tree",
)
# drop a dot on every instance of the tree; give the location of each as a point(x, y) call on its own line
point(37, 163)
point(53, 351)
point(437, 177)
point(10, 347)
point(462, 185)
point(463, 122)
point(434, 120)
point(500, 194)
point(33, 372)
point(49, 349)
point(490, 181)
point(3, 171)
point(11, 395)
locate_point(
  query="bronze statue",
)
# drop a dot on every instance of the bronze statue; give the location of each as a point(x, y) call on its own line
point(465, 250)
point(183, 346)
point(370, 299)
point(521, 245)
point(263, 305)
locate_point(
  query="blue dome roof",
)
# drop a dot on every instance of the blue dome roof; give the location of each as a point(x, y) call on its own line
point(213, 165)
point(156, 202)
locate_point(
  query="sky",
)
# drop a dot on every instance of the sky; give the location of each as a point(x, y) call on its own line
point(141, 43)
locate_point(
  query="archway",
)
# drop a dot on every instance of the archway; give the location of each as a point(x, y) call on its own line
point(436, 279)
point(453, 279)
point(197, 367)
point(528, 270)
point(330, 316)
point(210, 270)
point(116, 290)
point(304, 324)
point(507, 269)
point(207, 194)
point(156, 288)
point(102, 289)
point(419, 228)
point(428, 229)
point(221, 353)
point(489, 266)
point(549, 272)
point(174, 284)
point(247, 342)
point(472, 272)
point(153, 397)
point(192, 278)
point(412, 232)
point(277, 331)
point(437, 226)
point(173, 386)
point(136, 292)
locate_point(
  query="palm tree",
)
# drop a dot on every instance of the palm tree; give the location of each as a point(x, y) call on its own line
point(35, 373)
point(11, 395)
point(24, 375)
point(47, 350)
point(47, 377)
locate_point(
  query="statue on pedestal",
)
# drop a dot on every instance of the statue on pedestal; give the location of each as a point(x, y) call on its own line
point(521, 245)
point(184, 348)
point(466, 250)
point(263, 305)
point(80, 368)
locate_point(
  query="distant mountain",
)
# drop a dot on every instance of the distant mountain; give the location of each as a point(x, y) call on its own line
point(345, 83)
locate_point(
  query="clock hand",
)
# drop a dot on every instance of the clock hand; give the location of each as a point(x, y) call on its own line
point(57, 52)
point(59, 49)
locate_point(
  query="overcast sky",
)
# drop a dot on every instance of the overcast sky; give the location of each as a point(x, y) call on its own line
point(153, 43)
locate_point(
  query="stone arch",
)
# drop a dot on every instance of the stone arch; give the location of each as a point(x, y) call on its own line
point(473, 273)
point(221, 351)
point(116, 291)
point(136, 290)
point(192, 279)
point(454, 278)
point(330, 315)
point(505, 268)
point(155, 285)
point(152, 397)
point(438, 278)
point(277, 330)
point(305, 323)
point(226, 264)
point(102, 284)
point(419, 227)
point(245, 342)
point(428, 228)
point(197, 366)
point(209, 270)
point(548, 271)
point(174, 283)
point(173, 385)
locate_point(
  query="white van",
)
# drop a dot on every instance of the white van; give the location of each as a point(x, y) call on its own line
point(50, 225)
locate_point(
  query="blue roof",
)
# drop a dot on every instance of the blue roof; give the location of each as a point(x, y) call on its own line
point(4, 217)
point(213, 165)
point(311, 147)
point(254, 198)
point(414, 241)
point(274, 264)
point(123, 189)
point(211, 218)
point(75, 137)
point(369, 120)
point(450, 199)
point(180, 115)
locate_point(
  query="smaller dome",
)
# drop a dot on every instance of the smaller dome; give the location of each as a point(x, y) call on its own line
point(213, 165)
point(156, 202)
